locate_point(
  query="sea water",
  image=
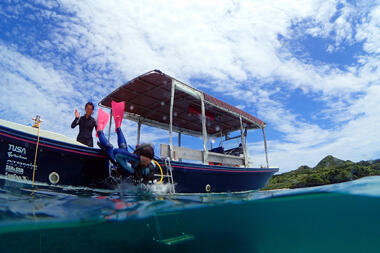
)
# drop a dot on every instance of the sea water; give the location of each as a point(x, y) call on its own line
point(335, 218)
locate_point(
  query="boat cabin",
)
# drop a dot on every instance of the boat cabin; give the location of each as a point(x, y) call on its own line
point(159, 100)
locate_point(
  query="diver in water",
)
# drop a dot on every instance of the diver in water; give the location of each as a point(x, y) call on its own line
point(86, 124)
point(137, 163)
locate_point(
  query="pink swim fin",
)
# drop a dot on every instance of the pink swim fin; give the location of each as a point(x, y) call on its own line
point(118, 112)
point(103, 118)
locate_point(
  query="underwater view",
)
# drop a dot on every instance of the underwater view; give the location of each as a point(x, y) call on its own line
point(333, 218)
point(190, 126)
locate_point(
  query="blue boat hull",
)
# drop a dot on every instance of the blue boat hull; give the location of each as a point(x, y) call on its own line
point(88, 167)
point(199, 178)
point(75, 165)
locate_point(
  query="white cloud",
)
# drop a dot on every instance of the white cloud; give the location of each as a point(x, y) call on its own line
point(235, 44)
point(369, 31)
point(29, 88)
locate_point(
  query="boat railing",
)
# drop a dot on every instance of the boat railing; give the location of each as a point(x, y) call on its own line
point(180, 153)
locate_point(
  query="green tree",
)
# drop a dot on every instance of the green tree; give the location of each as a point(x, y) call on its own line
point(329, 170)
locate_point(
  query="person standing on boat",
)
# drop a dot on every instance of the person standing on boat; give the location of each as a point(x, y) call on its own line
point(138, 163)
point(86, 125)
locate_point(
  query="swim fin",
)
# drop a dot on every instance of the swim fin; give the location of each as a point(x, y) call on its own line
point(103, 118)
point(118, 112)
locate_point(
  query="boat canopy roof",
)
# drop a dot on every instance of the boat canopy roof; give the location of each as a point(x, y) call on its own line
point(147, 100)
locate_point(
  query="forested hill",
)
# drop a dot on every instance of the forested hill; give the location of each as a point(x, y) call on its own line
point(329, 170)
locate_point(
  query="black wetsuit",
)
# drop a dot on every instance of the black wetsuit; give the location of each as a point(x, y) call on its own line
point(86, 125)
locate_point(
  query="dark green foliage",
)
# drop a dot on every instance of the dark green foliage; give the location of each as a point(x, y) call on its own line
point(329, 170)
point(376, 166)
point(329, 162)
point(304, 167)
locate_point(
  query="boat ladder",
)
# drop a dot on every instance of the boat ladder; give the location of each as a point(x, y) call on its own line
point(169, 235)
point(168, 175)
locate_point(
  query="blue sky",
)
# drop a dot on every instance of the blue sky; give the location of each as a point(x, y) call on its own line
point(309, 69)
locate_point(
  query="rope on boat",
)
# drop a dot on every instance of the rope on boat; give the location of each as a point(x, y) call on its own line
point(37, 122)
point(162, 173)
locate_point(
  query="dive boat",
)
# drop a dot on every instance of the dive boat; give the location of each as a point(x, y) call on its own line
point(30, 154)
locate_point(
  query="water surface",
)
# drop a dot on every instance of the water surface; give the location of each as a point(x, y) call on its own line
point(335, 218)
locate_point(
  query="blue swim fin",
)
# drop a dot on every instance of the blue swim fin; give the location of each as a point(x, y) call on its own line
point(118, 112)
point(103, 119)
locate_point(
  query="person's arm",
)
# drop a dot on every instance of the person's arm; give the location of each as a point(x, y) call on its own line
point(95, 125)
point(123, 161)
point(75, 122)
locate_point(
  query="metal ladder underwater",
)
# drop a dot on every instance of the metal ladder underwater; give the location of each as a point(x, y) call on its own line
point(179, 237)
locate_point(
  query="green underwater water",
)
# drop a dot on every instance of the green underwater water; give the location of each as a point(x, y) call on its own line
point(335, 218)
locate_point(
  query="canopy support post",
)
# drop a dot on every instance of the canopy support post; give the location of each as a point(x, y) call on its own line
point(109, 128)
point(243, 143)
point(171, 120)
point(245, 136)
point(204, 130)
point(265, 147)
point(138, 132)
point(179, 143)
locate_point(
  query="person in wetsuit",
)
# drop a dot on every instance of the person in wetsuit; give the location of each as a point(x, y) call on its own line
point(86, 125)
point(137, 164)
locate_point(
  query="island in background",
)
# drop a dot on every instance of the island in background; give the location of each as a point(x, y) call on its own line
point(329, 170)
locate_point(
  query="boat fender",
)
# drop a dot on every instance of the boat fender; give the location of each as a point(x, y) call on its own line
point(54, 177)
point(208, 188)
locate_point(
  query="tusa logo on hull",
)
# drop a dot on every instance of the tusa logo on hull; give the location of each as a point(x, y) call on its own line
point(17, 149)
